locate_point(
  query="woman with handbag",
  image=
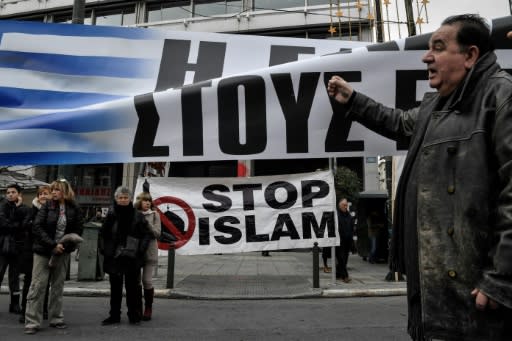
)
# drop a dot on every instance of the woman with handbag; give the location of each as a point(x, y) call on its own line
point(144, 204)
point(58, 217)
point(124, 239)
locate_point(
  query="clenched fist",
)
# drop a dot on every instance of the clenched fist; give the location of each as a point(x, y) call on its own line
point(339, 89)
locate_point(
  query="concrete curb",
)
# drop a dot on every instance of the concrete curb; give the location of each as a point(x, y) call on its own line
point(181, 294)
point(375, 292)
point(83, 292)
point(192, 296)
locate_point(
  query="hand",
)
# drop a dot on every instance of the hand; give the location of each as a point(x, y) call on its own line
point(339, 89)
point(482, 301)
point(59, 249)
point(509, 35)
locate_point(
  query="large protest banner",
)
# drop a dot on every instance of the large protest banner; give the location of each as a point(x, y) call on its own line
point(91, 94)
point(212, 215)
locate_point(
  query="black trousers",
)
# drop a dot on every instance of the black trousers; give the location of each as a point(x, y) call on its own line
point(342, 252)
point(13, 272)
point(131, 278)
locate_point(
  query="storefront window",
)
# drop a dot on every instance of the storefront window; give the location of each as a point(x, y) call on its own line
point(172, 11)
point(277, 4)
point(94, 187)
point(206, 9)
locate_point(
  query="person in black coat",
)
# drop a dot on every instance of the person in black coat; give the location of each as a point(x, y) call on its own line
point(124, 225)
point(346, 231)
point(14, 217)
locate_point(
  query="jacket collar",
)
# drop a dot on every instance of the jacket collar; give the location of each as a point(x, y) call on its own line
point(485, 64)
point(36, 203)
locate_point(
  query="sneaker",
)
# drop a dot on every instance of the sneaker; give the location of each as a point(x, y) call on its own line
point(110, 320)
point(59, 325)
point(21, 319)
point(30, 330)
point(347, 280)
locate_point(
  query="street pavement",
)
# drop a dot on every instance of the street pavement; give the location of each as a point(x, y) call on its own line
point(326, 319)
point(285, 274)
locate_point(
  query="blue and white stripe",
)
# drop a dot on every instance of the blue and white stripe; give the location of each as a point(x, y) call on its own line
point(66, 91)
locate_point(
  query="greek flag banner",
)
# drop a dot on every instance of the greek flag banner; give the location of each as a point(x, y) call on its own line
point(73, 94)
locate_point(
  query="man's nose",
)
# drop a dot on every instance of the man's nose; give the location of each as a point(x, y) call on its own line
point(427, 57)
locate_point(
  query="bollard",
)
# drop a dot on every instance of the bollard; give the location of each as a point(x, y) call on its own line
point(316, 268)
point(68, 270)
point(171, 255)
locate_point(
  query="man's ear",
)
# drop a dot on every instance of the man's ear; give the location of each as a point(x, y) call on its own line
point(472, 55)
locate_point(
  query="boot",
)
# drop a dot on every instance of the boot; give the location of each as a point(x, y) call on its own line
point(14, 307)
point(148, 303)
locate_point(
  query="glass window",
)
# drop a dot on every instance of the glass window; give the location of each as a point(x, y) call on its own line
point(119, 17)
point(209, 9)
point(67, 18)
point(109, 19)
point(206, 9)
point(173, 11)
point(62, 18)
point(129, 18)
point(321, 2)
point(234, 6)
point(37, 18)
point(277, 4)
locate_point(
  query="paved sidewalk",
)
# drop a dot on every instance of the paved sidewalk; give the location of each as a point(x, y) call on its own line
point(251, 276)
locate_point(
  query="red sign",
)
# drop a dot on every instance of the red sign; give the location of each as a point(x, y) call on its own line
point(183, 237)
point(94, 195)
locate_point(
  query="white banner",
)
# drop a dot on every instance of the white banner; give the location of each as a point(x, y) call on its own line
point(114, 95)
point(228, 215)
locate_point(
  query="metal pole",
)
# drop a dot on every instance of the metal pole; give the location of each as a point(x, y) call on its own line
point(411, 26)
point(68, 270)
point(170, 268)
point(316, 268)
point(78, 15)
point(333, 165)
point(379, 25)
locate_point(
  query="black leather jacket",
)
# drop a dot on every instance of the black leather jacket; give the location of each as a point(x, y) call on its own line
point(14, 221)
point(45, 226)
point(464, 199)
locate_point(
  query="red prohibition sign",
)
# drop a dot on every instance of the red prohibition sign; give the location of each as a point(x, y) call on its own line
point(183, 238)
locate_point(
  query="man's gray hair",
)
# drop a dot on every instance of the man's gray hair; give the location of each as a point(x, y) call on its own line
point(122, 190)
